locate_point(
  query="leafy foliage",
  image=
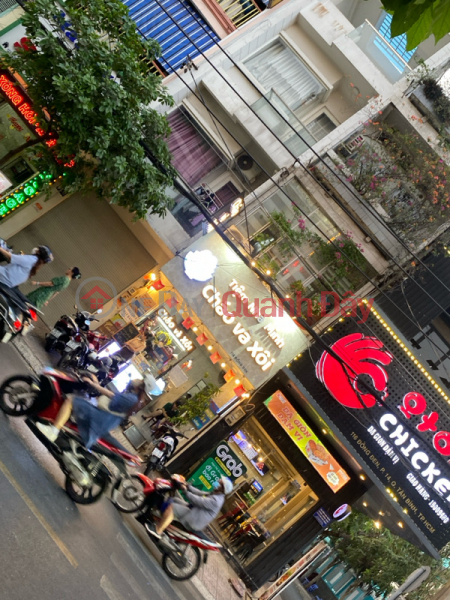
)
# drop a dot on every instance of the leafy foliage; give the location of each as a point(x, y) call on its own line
point(397, 171)
point(197, 405)
point(96, 95)
point(419, 19)
point(381, 558)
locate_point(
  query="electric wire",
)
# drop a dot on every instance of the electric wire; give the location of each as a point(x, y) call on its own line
point(375, 286)
point(311, 148)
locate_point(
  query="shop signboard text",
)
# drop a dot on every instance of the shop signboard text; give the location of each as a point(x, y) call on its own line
point(296, 428)
point(222, 462)
point(392, 413)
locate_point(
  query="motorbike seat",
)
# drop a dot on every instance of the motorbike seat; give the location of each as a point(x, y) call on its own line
point(16, 295)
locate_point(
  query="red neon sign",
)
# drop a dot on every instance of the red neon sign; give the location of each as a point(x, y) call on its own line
point(23, 105)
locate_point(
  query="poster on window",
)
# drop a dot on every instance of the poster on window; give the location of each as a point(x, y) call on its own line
point(309, 444)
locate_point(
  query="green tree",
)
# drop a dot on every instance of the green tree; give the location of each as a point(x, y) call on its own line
point(419, 19)
point(95, 96)
point(380, 558)
point(197, 405)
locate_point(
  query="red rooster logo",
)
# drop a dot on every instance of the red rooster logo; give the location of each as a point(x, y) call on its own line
point(350, 382)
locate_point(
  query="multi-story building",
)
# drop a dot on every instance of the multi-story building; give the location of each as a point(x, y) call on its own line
point(271, 103)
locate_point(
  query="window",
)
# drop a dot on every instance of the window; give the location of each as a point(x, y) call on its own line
point(320, 126)
point(397, 43)
point(193, 156)
point(280, 243)
point(279, 69)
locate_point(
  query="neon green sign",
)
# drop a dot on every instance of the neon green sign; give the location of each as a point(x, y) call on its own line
point(23, 193)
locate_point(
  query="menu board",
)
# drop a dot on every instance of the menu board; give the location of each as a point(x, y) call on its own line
point(129, 332)
point(309, 444)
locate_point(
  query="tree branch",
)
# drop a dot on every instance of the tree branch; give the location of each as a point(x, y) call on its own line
point(12, 153)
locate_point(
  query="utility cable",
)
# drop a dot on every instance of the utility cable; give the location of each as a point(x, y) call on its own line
point(303, 213)
point(367, 205)
point(363, 228)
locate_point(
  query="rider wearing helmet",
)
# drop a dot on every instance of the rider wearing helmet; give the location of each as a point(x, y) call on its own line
point(203, 507)
point(20, 267)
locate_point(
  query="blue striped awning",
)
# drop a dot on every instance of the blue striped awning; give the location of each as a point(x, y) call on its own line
point(176, 45)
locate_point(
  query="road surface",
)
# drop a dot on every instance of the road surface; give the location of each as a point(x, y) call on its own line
point(51, 548)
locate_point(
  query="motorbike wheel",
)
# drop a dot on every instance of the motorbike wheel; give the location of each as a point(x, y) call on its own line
point(128, 495)
point(17, 396)
point(68, 360)
point(184, 565)
point(82, 495)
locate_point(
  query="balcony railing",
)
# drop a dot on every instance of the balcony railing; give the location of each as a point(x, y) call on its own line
point(7, 5)
point(380, 51)
point(264, 107)
point(239, 11)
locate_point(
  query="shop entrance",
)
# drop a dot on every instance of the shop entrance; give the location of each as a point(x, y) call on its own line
point(268, 499)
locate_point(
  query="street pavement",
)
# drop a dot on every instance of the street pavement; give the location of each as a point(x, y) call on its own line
point(52, 548)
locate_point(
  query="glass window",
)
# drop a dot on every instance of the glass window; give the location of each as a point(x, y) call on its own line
point(398, 43)
point(272, 494)
point(321, 126)
point(296, 263)
point(13, 134)
point(278, 68)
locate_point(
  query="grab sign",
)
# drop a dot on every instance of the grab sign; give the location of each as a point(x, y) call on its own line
point(222, 462)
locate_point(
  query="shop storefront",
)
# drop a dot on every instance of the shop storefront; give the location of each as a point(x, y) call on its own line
point(177, 329)
point(287, 476)
point(392, 415)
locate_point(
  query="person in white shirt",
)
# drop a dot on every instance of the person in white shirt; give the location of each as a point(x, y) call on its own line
point(20, 267)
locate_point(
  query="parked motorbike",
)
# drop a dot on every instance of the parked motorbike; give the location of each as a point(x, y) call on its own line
point(78, 349)
point(163, 450)
point(65, 329)
point(39, 399)
point(181, 548)
point(105, 368)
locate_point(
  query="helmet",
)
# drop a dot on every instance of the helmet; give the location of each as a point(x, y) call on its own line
point(227, 485)
point(44, 253)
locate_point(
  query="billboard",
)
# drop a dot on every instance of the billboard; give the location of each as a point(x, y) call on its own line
point(307, 442)
point(391, 411)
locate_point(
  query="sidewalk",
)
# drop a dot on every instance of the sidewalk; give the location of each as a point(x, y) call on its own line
point(212, 580)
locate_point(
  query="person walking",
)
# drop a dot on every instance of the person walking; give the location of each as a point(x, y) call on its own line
point(47, 290)
point(20, 267)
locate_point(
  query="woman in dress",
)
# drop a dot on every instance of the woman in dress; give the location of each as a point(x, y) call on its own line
point(46, 290)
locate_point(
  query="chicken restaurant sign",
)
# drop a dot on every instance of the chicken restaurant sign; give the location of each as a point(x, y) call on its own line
point(392, 413)
point(213, 280)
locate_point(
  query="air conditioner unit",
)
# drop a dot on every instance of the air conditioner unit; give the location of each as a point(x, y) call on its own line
point(247, 167)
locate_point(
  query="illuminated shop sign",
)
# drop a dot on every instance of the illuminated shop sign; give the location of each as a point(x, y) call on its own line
point(175, 330)
point(309, 444)
point(259, 339)
point(23, 193)
point(23, 105)
point(395, 416)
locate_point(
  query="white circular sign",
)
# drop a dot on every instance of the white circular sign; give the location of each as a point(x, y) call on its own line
point(200, 265)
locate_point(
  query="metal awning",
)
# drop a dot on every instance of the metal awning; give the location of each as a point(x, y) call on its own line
point(153, 22)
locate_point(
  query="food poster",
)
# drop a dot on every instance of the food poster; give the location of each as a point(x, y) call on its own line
point(324, 463)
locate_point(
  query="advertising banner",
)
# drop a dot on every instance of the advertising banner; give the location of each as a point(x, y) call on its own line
point(393, 414)
point(293, 572)
point(309, 444)
point(221, 462)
